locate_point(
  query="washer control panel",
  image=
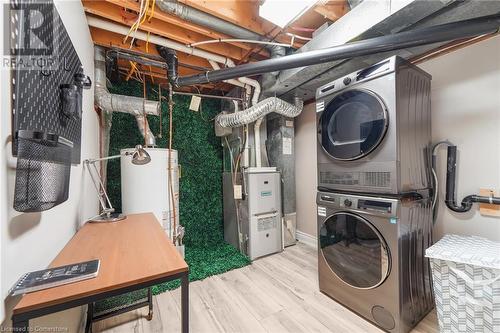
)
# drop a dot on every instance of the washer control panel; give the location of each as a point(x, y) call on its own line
point(365, 204)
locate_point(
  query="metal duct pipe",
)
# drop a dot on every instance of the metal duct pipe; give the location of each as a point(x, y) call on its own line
point(213, 22)
point(199, 17)
point(259, 110)
point(412, 38)
point(108, 102)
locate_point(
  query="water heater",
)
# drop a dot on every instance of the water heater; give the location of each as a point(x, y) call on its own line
point(145, 188)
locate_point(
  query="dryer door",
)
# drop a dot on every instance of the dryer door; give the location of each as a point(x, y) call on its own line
point(353, 124)
point(354, 250)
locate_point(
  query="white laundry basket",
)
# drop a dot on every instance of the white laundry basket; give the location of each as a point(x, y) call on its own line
point(466, 276)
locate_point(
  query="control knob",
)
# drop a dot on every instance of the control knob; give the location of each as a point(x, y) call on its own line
point(347, 80)
point(347, 203)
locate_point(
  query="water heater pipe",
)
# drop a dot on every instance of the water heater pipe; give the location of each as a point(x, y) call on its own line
point(109, 103)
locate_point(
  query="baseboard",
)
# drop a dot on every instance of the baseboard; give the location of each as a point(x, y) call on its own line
point(307, 239)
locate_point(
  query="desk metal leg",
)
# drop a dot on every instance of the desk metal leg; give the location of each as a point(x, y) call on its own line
point(90, 316)
point(20, 325)
point(185, 302)
point(150, 304)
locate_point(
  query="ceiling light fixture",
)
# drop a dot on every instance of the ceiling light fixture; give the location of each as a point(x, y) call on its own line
point(284, 12)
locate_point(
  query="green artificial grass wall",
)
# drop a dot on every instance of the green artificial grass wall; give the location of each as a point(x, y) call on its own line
point(200, 158)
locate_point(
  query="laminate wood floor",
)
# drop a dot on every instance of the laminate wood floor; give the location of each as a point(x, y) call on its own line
point(278, 293)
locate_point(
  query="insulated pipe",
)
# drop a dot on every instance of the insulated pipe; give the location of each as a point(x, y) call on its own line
point(199, 17)
point(402, 40)
point(109, 103)
point(467, 202)
point(215, 23)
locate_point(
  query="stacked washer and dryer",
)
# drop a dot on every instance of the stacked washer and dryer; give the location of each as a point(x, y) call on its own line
point(374, 186)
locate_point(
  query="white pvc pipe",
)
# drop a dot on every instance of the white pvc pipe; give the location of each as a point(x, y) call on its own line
point(248, 83)
point(256, 135)
point(123, 30)
point(231, 40)
point(234, 82)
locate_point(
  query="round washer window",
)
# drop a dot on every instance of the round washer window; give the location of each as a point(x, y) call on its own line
point(354, 250)
point(353, 124)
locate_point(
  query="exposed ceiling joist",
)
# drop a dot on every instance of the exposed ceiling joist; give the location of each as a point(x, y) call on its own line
point(188, 26)
point(242, 13)
point(174, 28)
point(108, 11)
point(332, 10)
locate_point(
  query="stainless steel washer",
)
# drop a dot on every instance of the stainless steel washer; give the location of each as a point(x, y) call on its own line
point(374, 130)
point(371, 256)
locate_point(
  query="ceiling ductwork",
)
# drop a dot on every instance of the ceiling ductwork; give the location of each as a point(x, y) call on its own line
point(370, 19)
point(199, 17)
point(109, 103)
point(377, 45)
point(255, 112)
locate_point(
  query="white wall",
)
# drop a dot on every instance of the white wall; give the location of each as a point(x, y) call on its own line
point(465, 110)
point(31, 241)
point(306, 169)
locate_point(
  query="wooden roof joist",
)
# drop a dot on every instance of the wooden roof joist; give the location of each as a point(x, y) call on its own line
point(188, 26)
point(113, 40)
point(164, 29)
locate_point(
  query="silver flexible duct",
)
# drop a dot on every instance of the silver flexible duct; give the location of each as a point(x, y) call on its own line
point(109, 103)
point(259, 110)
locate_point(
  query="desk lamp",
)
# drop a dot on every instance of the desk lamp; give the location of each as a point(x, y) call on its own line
point(139, 157)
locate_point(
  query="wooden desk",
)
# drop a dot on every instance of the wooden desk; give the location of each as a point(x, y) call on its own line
point(135, 253)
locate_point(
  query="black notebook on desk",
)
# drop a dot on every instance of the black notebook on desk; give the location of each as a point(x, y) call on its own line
point(56, 276)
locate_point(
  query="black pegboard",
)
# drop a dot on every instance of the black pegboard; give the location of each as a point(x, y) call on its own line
point(36, 103)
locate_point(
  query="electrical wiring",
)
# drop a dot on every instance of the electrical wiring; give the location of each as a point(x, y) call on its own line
point(152, 12)
point(297, 37)
point(141, 18)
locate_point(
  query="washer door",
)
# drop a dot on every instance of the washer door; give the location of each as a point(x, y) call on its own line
point(353, 124)
point(354, 250)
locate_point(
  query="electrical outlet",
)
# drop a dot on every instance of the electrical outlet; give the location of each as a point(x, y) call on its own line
point(238, 192)
point(195, 103)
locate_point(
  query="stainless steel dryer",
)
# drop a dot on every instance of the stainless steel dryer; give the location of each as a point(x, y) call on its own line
point(371, 256)
point(374, 130)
